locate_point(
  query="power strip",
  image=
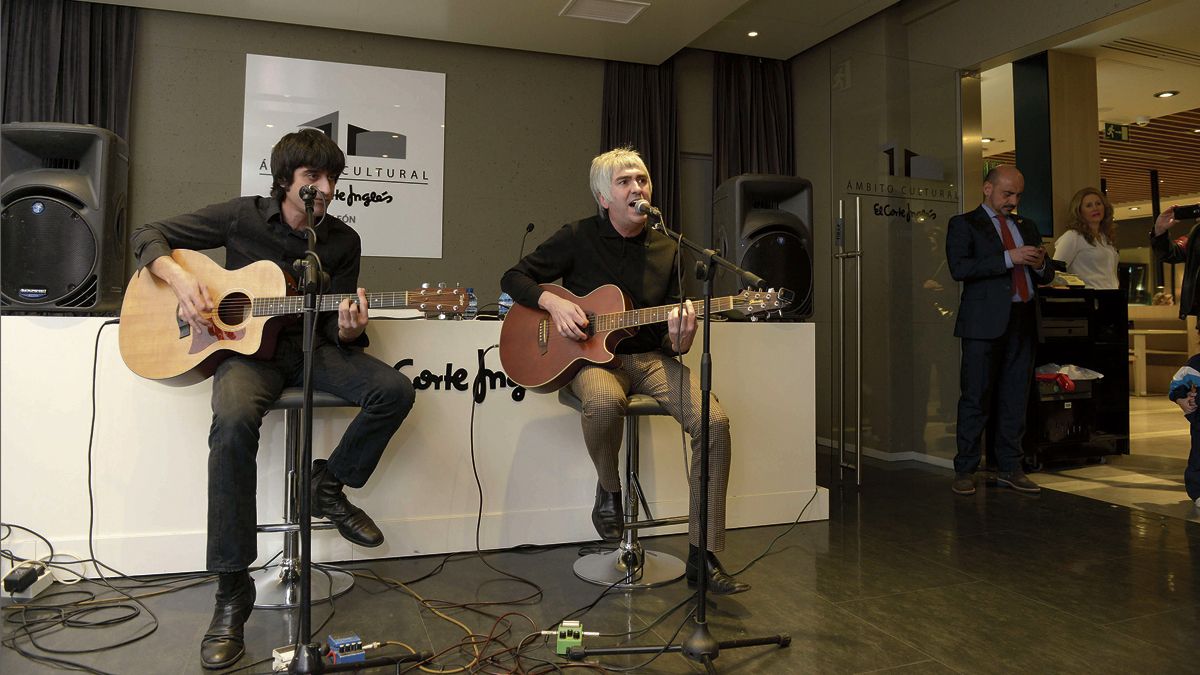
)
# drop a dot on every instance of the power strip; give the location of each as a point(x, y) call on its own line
point(282, 658)
point(42, 583)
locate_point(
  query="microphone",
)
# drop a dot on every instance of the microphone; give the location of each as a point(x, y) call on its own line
point(308, 193)
point(528, 229)
point(643, 207)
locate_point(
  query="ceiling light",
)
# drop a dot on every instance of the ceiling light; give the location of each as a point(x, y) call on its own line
point(1104, 159)
point(1196, 131)
point(986, 139)
point(614, 11)
point(752, 33)
point(1135, 208)
point(1166, 94)
point(270, 126)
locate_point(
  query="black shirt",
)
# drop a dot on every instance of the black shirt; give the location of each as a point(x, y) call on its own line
point(590, 253)
point(252, 229)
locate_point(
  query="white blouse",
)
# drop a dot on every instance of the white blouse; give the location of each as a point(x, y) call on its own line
point(1095, 264)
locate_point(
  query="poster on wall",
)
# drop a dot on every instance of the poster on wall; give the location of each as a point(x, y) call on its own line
point(389, 122)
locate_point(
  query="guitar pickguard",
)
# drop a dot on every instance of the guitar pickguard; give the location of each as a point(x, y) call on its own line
point(202, 341)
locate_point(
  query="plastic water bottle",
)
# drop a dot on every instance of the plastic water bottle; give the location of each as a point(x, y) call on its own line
point(505, 303)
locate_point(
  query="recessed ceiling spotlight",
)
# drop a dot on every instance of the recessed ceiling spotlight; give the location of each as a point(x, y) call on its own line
point(1105, 159)
point(752, 33)
point(986, 139)
point(1196, 131)
point(1166, 94)
point(1135, 208)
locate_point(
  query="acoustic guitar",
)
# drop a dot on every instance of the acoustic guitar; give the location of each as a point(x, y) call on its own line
point(536, 357)
point(158, 345)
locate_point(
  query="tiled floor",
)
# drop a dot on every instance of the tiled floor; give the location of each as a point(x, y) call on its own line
point(905, 577)
point(1150, 477)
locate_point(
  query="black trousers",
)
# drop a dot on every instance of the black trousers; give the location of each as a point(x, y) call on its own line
point(244, 388)
point(994, 378)
point(1191, 473)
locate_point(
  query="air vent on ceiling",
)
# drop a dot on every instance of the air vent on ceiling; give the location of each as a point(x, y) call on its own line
point(614, 11)
point(1154, 50)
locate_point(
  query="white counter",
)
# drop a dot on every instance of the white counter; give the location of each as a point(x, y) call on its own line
point(150, 448)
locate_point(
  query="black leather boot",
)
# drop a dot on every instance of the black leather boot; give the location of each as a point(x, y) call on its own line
point(719, 581)
point(607, 515)
point(224, 643)
point(330, 502)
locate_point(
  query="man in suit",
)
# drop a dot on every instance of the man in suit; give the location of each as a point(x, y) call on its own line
point(999, 259)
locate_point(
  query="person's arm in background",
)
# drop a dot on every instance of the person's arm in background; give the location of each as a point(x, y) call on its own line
point(1067, 247)
point(1165, 249)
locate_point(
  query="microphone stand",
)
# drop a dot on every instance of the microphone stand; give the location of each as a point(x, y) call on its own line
point(308, 657)
point(700, 646)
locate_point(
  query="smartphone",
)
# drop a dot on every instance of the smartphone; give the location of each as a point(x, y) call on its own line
point(1189, 212)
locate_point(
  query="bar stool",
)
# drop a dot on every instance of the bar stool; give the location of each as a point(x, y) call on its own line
point(630, 566)
point(278, 585)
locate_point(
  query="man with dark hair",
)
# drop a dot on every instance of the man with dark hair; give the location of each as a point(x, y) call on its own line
point(615, 247)
point(262, 228)
point(998, 257)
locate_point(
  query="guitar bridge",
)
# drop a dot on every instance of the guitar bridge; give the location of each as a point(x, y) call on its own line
point(544, 336)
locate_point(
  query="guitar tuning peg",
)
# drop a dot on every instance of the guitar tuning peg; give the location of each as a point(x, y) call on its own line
point(425, 284)
point(441, 284)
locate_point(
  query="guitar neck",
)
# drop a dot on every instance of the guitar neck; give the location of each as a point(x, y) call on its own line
point(648, 315)
point(294, 304)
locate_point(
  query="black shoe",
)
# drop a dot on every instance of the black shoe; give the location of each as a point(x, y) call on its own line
point(607, 515)
point(1018, 481)
point(224, 643)
point(329, 501)
point(964, 484)
point(719, 581)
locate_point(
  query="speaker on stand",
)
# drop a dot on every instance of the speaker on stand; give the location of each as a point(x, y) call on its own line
point(763, 223)
point(63, 195)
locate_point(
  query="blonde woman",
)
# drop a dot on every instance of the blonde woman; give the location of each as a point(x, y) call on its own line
point(1087, 247)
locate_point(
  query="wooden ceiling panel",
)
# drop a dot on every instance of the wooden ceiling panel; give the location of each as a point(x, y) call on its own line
point(1169, 144)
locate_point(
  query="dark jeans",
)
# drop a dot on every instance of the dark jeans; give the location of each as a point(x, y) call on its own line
point(244, 388)
point(1191, 474)
point(994, 378)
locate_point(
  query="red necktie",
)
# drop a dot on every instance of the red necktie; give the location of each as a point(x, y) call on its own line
point(1020, 283)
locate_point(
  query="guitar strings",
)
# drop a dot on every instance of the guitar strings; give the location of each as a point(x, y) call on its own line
point(699, 313)
point(332, 301)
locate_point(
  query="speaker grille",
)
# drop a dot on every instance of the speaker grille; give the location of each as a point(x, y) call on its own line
point(782, 260)
point(60, 163)
point(49, 254)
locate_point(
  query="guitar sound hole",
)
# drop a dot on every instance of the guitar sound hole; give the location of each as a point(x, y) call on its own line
point(234, 309)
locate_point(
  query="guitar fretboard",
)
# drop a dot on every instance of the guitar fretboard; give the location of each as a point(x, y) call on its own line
point(294, 304)
point(641, 317)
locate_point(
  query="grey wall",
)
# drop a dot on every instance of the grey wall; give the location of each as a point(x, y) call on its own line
point(895, 79)
point(521, 129)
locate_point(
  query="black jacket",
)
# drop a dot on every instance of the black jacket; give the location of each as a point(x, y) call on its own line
point(975, 256)
point(1166, 250)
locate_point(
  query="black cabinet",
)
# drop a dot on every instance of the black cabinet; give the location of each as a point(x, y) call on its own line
point(1087, 328)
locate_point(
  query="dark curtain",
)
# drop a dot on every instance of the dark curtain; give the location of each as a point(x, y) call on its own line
point(639, 111)
point(67, 61)
point(752, 117)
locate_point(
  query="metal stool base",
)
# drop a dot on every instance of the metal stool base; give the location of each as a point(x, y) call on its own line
point(278, 586)
point(606, 569)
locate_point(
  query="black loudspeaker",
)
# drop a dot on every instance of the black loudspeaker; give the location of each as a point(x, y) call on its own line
point(763, 223)
point(62, 229)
